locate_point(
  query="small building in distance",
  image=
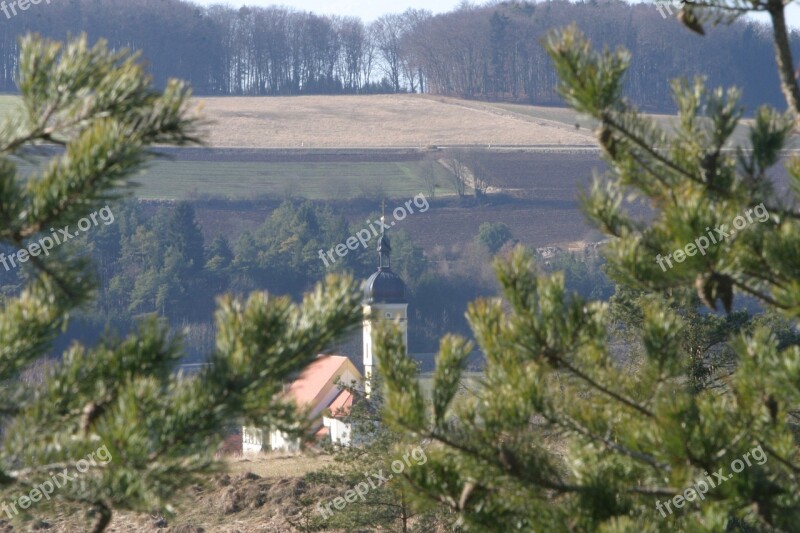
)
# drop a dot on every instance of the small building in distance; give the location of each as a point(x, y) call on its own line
point(321, 386)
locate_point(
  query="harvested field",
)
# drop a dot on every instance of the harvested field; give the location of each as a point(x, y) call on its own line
point(376, 121)
point(380, 121)
point(533, 222)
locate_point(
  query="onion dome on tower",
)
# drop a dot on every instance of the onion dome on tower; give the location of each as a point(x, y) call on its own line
point(384, 286)
point(384, 300)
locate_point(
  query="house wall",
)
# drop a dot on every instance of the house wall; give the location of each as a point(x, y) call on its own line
point(252, 439)
point(339, 431)
point(278, 440)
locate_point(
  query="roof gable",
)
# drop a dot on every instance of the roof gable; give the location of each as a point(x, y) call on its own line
point(340, 406)
point(318, 376)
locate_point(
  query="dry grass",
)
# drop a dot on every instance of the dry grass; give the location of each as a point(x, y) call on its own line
point(258, 494)
point(278, 465)
point(377, 121)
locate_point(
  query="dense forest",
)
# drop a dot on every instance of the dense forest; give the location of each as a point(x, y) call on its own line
point(486, 52)
point(154, 260)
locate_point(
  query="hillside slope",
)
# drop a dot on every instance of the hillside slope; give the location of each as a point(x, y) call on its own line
point(378, 121)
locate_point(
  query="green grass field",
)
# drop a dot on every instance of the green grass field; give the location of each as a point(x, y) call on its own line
point(178, 180)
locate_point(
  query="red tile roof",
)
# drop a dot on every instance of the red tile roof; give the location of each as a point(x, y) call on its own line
point(340, 406)
point(315, 377)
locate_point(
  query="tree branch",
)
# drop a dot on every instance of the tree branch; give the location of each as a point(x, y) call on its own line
point(783, 55)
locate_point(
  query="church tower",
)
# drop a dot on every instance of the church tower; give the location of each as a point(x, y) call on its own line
point(384, 300)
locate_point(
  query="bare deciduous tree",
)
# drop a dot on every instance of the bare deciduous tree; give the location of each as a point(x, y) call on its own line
point(480, 171)
point(454, 161)
point(387, 33)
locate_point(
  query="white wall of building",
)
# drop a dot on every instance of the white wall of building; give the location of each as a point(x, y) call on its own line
point(339, 431)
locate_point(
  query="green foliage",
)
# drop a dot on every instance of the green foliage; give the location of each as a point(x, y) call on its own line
point(183, 234)
point(220, 255)
point(493, 235)
point(703, 336)
point(408, 259)
point(161, 429)
point(583, 273)
point(160, 267)
point(562, 437)
point(147, 263)
point(290, 240)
